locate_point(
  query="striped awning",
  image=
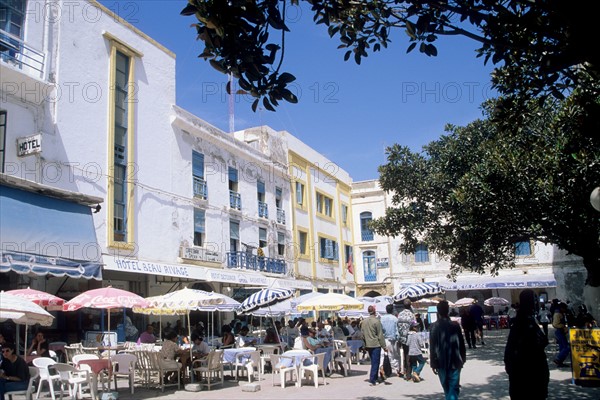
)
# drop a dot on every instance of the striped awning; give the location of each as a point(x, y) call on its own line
point(418, 291)
point(264, 298)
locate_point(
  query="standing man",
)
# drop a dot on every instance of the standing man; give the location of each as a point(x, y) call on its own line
point(374, 341)
point(405, 318)
point(389, 322)
point(477, 314)
point(561, 330)
point(448, 352)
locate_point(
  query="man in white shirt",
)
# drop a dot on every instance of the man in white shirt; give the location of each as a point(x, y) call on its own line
point(199, 346)
point(243, 340)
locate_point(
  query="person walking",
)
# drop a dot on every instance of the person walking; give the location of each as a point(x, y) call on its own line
point(561, 329)
point(405, 318)
point(544, 316)
point(448, 353)
point(374, 341)
point(389, 323)
point(415, 352)
point(468, 324)
point(525, 355)
point(477, 314)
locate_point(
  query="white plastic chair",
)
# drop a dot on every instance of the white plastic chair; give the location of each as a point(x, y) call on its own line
point(42, 364)
point(124, 366)
point(342, 356)
point(74, 379)
point(282, 365)
point(317, 363)
point(210, 369)
point(265, 356)
point(28, 393)
point(165, 366)
point(249, 362)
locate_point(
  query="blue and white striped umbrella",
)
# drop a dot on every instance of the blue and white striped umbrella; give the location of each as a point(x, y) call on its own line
point(418, 291)
point(264, 298)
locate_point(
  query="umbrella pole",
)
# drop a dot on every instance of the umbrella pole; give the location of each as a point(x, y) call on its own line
point(25, 344)
point(190, 343)
point(109, 329)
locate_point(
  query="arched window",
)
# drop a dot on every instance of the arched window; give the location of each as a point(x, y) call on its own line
point(366, 234)
point(369, 266)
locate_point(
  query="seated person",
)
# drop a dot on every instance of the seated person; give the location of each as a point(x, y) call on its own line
point(243, 340)
point(357, 334)
point(15, 372)
point(271, 336)
point(200, 348)
point(36, 345)
point(170, 352)
point(311, 342)
point(227, 338)
point(148, 335)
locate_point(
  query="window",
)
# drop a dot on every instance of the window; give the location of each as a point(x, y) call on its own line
point(262, 238)
point(234, 236)
point(235, 200)
point(263, 210)
point(302, 240)
point(121, 133)
point(233, 179)
point(366, 233)
point(523, 248)
point(344, 214)
point(2, 139)
point(300, 194)
point(280, 244)
point(199, 183)
point(347, 254)
point(324, 205)
point(278, 197)
point(421, 253)
point(199, 228)
point(12, 18)
point(328, 249)
point(369, 267)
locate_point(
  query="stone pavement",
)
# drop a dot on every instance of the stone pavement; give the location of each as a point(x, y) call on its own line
point(482, 378)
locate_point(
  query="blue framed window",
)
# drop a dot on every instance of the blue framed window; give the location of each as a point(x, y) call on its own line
point(12, 19)
point(421, 253)
point(200, 189)
point(523, 248)
point(280, 244)
point(234, 235)
point(369, 266)
point(328, 249)
point(302, 240)
point(366, 233)
point(199, 226)
point(262, 238)
point(300, 193)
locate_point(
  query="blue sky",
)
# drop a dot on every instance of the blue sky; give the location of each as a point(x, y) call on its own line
point(347, 112)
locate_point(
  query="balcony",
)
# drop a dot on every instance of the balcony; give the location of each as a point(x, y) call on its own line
point(281, 216)
point(366, 236)
point(370, 276)
point(235, 200)
point(22, 56)
point(200, 188)
point(263, 209)
point(244, 260)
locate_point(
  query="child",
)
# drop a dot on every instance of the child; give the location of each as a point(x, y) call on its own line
point(415, 355)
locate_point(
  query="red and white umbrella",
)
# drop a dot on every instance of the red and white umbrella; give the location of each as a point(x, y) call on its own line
point(42, 299)
point(105, 298)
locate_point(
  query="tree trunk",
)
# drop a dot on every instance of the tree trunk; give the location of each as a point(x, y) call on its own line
point(591, 291)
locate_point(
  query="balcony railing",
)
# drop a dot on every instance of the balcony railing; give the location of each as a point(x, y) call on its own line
point(244, 260)
point(281, 216)
point(263, 209)
point(370, 276)
point(366, 236)
point(235, 200)
point(200, 189)
point(13, 50)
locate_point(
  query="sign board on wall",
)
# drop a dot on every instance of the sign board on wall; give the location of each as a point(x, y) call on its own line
point(585, 356)
point(383, 262)
point(29, 145)
point(200, 254)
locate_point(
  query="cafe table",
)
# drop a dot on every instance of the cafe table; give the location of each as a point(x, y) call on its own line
point(97, 366)
point(299, 356)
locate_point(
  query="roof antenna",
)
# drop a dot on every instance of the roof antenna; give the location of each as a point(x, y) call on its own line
point(231, 100)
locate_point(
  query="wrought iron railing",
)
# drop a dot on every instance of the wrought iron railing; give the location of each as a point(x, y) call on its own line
point(263, 209)
point(245, 260)
point(281, 216)
point(370, 276)
point(235, 200)
point(366, 235)
point(15, 51)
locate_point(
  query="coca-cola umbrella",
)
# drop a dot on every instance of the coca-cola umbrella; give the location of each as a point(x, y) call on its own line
point(42, 299)
point(105, 298)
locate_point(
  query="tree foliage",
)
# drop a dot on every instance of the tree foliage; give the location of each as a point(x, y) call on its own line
point(479, 189)
point(539, 47)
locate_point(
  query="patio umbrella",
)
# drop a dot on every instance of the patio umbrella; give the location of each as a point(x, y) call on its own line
point(465, 301)
point(42, 299)
point(105, 298)
point(330, 302)
point(264, 298)
point(23, 312)
point(418, 291)
point(496, 301)
point(297, 300)
point(424, 303)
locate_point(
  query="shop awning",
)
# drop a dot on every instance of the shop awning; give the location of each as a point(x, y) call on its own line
point(501, 282)
point(45, 235)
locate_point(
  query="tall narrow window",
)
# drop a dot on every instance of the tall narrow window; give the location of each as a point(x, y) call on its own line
point(344, 214)
point(365, 232)
point(263, 210)
point(200, 189)
point(262, 238)
point(278, 197)
point(280, 244)
point(328, 249)
point(2, 139)
point(234, 236)
point(299, 193)
point(369, 266)
point(235, 199)
point(121, 147)
point(421, 253)
point(302, 240)
point(199, 229)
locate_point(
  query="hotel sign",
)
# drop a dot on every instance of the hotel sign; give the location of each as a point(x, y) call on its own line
point(29, 145)
point(200, 254)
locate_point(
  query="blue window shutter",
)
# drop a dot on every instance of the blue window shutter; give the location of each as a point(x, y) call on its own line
point(260, 187)
point(262, 234)
point(278, 193)
point(199, 220)
point(328, 249)
point(233, 174)
point(234, 230)
point(198, 164)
